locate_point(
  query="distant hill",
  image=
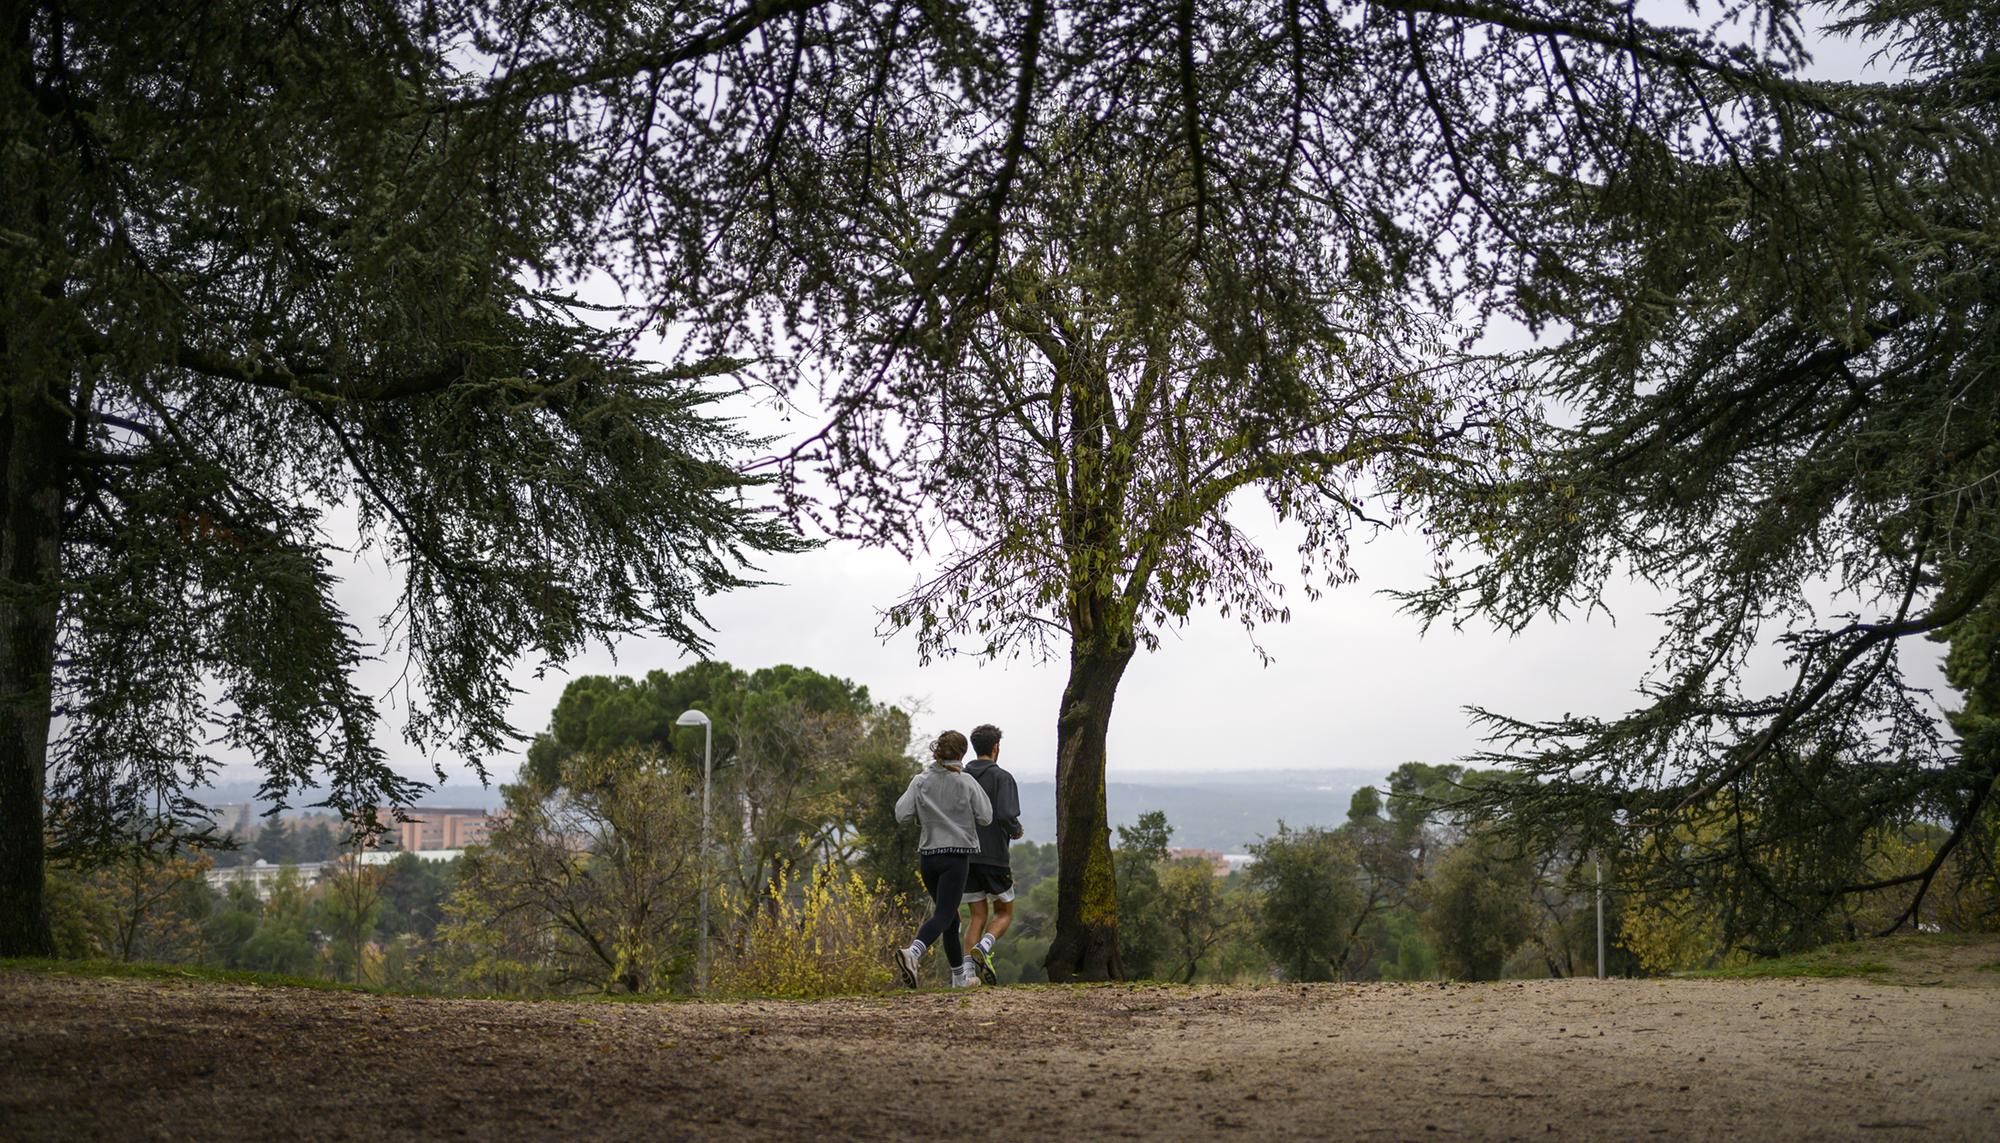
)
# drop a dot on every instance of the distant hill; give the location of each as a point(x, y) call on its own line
point(467, 796)
point(1217, 810)
point(1214, 810)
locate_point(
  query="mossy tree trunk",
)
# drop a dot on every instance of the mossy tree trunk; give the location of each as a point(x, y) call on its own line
point(1086, 939)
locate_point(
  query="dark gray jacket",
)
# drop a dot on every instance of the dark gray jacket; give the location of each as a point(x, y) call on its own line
point(1006, 799)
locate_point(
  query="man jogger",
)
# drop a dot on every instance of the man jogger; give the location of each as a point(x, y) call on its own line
point(989, 880)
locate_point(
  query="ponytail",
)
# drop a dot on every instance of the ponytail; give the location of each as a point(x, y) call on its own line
point(949, 748)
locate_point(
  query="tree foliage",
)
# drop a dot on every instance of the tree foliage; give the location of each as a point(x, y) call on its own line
point(350, 904)
point(1308, 882)
point(801, 762)
point(263, 259)
point(594, 885)
point(1783, 393)
point(1479, 908)
point(1144, 938)
point(271, 275)
point(1197, 915)
point(1088, 445)
point(1224, 254)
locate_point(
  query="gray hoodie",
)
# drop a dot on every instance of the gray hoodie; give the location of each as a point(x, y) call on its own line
point(949, 805)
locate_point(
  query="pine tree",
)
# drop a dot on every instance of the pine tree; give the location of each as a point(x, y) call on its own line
point(1785, 371)
point(269, 268)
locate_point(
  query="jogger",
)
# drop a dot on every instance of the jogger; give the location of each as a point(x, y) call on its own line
point(989, 883)
point(951, 807)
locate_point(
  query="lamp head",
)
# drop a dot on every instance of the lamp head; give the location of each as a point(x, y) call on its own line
point(691, 718)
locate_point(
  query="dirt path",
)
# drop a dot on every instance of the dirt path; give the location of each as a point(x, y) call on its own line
point(1795, 1059)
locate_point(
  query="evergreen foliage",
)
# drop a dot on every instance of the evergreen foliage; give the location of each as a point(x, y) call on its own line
point(1308, 879)
point(271, 271)
point(268, 262)
point(1203, 249)
point(805, 764)
point(1782, 376)
point(1478, 909)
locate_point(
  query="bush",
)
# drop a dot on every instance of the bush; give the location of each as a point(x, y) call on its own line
point(595, 884)
point(829, 936)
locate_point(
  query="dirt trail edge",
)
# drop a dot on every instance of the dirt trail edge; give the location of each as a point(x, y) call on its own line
point(1792, 1059)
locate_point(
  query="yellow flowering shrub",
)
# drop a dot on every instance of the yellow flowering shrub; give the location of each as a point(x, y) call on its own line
point(827, 935)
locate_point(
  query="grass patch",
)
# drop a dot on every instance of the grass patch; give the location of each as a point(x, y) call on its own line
point(1815, 964)
point(139, 970)
point(1904, 958)
point(205, 974)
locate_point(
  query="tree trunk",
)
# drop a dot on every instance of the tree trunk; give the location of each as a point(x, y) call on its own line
point(32, 429)
point(1086, 938)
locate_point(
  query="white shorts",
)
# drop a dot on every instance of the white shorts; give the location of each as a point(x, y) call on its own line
point(977, 898)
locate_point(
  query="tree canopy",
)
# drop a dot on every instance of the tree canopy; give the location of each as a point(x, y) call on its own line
point(1785, 396)
point(804, 763)
point(1085, 454)
point(266, 259)
point(267, 271)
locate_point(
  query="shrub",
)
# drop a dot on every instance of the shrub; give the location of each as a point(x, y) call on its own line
point(828, 936)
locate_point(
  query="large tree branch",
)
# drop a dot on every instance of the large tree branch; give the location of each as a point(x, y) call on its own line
point(1628, 37)
point(1868, 636)
point(314, 383)
point(417, 539)
point(545, 78)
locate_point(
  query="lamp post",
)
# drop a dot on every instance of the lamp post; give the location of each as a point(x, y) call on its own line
point(697, 718)
point(1599, 863)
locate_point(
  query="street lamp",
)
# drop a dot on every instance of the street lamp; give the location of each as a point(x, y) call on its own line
point(1599, 862)
point(697, 718)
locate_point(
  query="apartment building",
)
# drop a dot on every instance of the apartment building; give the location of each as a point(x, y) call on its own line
point(438, 827)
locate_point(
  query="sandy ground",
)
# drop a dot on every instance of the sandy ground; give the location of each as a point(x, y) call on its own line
point(1793, 1059)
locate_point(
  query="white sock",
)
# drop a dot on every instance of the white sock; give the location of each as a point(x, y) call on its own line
point(917, 948)
point(986, 943)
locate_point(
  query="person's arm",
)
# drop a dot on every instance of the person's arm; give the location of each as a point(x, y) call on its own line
point(906, 806)
point(982, 806)
point(1008, 810)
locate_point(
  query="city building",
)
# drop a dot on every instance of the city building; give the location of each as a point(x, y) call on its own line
point(1215, 860)
point(261, 875)
point(437, 827)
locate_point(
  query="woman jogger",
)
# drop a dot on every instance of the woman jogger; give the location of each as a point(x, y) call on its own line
point(950, 806)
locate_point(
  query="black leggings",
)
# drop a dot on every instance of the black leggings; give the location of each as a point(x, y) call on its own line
point(944, 880)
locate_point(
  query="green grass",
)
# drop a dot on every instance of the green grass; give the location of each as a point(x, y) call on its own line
point(1813, 964)
point(185, 974)
point(139, 970)
point(1881, 957)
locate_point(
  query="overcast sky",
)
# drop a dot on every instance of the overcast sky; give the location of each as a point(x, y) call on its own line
point(1353, 682)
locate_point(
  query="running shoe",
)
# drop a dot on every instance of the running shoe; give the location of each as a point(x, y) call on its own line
point(968, 977)
point(983, 964)
point(906, 964)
